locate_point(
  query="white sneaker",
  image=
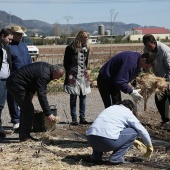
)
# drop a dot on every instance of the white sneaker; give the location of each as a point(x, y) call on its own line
point(15, 126)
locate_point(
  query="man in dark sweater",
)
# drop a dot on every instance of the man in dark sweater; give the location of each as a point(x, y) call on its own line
point(117, 72)
point(20, 57)
point(23, 83)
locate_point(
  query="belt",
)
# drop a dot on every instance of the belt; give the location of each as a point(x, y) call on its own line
point(3, 79)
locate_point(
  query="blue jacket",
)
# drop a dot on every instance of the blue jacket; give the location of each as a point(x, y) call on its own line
point(121, 69)
point(19, 55)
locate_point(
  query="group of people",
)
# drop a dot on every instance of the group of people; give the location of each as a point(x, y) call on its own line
point(14, 55)
point(116, 128)
point(20, 79)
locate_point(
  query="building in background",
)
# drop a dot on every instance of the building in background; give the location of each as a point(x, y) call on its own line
point(136, 34)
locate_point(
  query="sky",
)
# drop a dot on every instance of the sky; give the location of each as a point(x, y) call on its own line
point(142, 12)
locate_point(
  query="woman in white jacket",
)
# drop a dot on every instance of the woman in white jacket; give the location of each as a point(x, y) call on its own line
point(115, 129)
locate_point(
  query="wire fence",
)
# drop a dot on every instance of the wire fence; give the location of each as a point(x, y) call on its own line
point(97, 57)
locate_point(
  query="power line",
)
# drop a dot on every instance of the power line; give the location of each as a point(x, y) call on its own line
point(67, 27)
point(113, 18)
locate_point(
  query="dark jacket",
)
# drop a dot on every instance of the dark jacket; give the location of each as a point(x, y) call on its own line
point(8, 57)
point(19, 55)
point(33, 78)
point(70, 56)
point(75, 63)
point(121, 69)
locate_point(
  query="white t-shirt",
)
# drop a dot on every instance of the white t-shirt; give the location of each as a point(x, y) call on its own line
point(4, 72)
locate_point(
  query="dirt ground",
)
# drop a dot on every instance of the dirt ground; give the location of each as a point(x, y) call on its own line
point(66, 147)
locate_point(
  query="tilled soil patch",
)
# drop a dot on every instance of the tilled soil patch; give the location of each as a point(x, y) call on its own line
point(66, 147)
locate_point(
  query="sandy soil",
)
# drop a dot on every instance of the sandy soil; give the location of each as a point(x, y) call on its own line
point(66, 147)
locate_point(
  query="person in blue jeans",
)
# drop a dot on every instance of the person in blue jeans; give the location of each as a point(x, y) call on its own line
point(5, 68)
point(115, 129)
point(20, 57)
point(77, 82)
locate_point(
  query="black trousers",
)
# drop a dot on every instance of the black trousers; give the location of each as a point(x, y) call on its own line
point(163, 106)
point(24, 101)
point(110, 94)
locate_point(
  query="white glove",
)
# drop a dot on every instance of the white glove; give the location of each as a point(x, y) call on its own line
point(135, 95)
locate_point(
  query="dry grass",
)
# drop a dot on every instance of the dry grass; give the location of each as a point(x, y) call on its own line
point(149, 84)
point(50, 125)
point(65, 149)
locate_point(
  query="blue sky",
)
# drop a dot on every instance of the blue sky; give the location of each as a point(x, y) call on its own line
point(142, 12)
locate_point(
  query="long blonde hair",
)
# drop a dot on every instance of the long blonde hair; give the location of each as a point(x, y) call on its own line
point(80, 36)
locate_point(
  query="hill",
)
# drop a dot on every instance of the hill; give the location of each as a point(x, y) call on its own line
point(44, 28)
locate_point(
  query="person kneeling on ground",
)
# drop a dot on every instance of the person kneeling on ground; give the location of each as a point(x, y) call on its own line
point(115, 129)
point(23, 83)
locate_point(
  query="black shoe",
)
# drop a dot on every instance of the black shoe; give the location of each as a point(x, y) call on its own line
point(5, 132)
point(74, 121)
point(83, 121)
point(27, 138)
point(2, 134)
point(165, 125)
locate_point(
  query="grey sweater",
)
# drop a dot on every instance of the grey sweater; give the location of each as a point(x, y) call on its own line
point(162, 65)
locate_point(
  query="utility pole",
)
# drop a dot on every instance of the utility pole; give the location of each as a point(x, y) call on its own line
point(3, 22)
point(10, 19)
point(113, 18)
point(67, 28)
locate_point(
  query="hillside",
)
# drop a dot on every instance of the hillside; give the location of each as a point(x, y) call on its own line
point(44, 28)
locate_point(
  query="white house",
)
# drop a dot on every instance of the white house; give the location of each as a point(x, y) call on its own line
point(136, 34)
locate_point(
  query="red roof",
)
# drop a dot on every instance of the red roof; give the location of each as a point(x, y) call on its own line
point(153, 30)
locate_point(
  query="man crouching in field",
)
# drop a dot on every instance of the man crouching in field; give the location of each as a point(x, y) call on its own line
point(23, 83)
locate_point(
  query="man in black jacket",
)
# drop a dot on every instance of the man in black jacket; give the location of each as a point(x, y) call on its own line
point(23, 83)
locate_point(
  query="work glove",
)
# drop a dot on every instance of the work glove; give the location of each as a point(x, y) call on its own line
point(149, 152)
point(139, 145)
point(135, 95)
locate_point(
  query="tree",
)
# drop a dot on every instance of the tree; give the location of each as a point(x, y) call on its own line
point(56, 30)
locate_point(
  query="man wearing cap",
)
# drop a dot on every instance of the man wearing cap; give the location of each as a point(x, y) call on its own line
point(20, 57)
point(24, 83)
point(5, 67)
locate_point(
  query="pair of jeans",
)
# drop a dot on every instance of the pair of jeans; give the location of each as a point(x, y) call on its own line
point(110, 94)
point(119, 146)
point(82, 105)
point(3, 93)
point(13, 109)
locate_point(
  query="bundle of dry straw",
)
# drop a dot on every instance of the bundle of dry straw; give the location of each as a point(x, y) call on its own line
point(51, 125)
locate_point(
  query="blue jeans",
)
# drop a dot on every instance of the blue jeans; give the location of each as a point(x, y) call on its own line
point(13, 109)
point(82, 105)
point(3, 93)
point(119, 146)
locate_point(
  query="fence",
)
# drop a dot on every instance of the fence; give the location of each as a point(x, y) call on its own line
point(97, 57)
